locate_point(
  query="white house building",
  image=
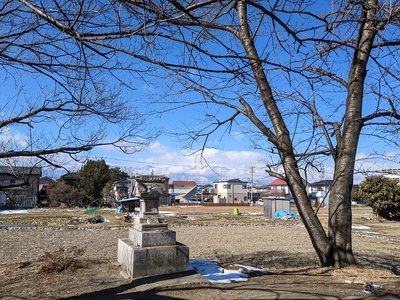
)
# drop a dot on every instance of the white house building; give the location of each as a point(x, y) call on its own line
point(230, 191)
point(391, 173)
point(319, 191)
point(183, 190)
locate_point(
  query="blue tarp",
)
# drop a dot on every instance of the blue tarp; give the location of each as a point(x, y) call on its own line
point(282, 214)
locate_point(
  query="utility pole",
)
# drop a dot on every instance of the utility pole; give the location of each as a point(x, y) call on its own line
point(251, 185)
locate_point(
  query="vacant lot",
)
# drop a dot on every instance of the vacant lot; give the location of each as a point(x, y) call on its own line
point(280, 247)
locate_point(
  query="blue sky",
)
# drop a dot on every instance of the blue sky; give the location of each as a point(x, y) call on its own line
point(228, 155)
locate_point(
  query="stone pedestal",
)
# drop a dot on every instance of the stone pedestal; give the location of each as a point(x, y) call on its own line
point(151, 248)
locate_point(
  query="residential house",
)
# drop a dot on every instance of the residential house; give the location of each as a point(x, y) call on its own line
point(123, 188)
point(258, 191)
point(72, 179)
point(277, 189)
point(204, 192)
point(230, 191)
point(19, 186)
point(44, 182)
point(319, 191)
point(182, 191)
point(391, 173)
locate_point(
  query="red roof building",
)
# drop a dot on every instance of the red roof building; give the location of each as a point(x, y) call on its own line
point(183, 190)
point(278, 188)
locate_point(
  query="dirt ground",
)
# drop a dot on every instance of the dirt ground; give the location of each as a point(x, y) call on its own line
point(281, 247)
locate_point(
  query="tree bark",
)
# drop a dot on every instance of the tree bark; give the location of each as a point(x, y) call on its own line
point(340, 217)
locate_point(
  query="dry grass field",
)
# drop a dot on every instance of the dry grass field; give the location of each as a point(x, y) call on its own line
point(281, 247)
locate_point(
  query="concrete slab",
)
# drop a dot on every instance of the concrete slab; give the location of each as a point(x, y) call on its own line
point(146, 261)
point(152, 238)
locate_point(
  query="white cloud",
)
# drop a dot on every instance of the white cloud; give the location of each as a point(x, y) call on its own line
point(157, 147)
point(13, 139)
point(215, 165)
point(238, 136)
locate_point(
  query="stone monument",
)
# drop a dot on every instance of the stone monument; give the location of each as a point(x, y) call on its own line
point(151, 248)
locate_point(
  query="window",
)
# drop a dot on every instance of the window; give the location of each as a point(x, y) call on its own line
point(244, 186)
point(227, 186)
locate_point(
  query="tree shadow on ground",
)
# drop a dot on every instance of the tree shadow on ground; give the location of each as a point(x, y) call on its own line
point(388, 262)
point(129, 290)
point(263, 287)
point(268, 259)
point(298, 278)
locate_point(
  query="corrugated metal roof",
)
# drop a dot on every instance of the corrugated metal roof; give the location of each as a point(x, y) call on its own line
point(21, 170)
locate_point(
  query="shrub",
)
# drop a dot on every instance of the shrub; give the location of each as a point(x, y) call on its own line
point(61, 260)
point(382, 194)
point(355, 195)
point(62, 194)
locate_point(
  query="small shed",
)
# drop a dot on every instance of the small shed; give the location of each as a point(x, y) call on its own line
point(129, 204)
point(272, 205)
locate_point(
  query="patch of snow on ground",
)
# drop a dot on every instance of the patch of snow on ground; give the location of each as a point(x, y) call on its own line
point(360, 227)
point(166, 212)
point(256, 213)
point(14, 211)
point(251, 268)
point(216, 274)
point(372, 233)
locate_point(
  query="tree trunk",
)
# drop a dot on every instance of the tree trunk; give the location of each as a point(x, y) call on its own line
point(281, 139)
point(313, 225)
point(334, 249)
point(340, 217)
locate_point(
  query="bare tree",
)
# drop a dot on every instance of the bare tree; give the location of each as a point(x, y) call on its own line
point(60, 97)
point(294, 71)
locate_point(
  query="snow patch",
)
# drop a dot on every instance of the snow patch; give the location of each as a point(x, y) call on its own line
point(15, 211)
point(215, 274)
